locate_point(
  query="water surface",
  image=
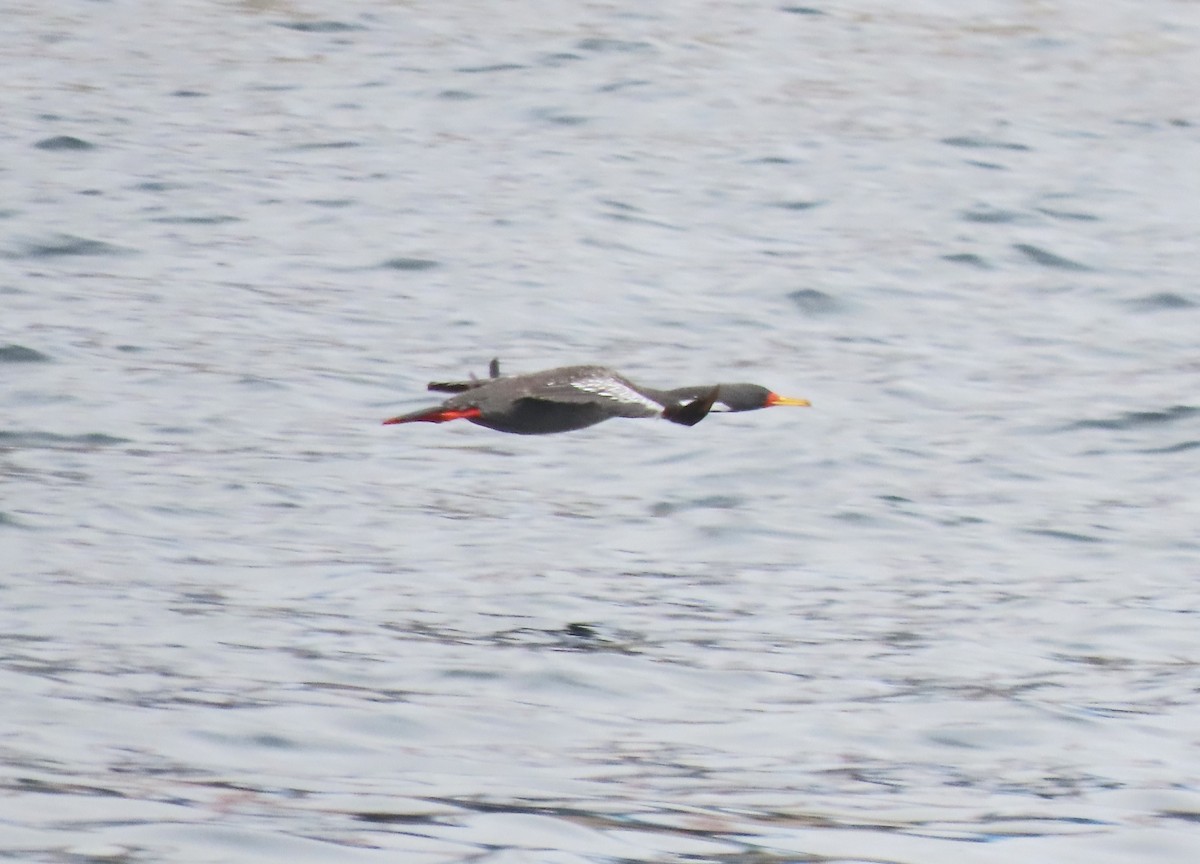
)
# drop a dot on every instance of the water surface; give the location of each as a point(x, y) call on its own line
point(947, 615)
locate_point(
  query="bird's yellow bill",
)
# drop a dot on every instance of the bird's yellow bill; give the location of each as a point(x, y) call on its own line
point(776, 399)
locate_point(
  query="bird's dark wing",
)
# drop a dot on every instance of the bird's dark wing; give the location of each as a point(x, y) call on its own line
point(691, 413)
point(454, 386)
point(463, 386)
point(611, 395)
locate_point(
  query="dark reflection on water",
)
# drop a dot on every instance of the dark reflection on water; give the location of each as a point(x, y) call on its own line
point(54, 441)
point(321, 26)
point(64, 142)
point(1164, 300)
point(972, 142)
point(1136, 419)
point(1048, 259)
point(67, 245)
point(21, 354)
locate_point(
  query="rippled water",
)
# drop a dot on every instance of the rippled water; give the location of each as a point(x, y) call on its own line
point(949, 614)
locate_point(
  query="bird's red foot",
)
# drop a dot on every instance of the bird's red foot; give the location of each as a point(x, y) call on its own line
point(434, 415)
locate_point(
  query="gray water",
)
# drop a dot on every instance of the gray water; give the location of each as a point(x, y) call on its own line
point(949, 614)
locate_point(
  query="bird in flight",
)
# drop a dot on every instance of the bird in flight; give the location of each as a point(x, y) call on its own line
point(575, 397)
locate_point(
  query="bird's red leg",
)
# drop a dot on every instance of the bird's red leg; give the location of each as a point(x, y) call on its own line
point(434, 415)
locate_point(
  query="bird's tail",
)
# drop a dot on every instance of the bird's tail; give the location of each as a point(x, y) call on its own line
point(691, 413)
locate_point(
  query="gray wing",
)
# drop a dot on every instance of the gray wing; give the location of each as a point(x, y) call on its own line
point(611, 393)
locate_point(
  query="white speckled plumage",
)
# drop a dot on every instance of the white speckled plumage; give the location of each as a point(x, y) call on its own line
point(612, 387)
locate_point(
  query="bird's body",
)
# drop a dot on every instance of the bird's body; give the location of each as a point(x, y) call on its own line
point(575, 397)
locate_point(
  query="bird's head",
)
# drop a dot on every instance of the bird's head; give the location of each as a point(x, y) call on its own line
point(751, 397)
